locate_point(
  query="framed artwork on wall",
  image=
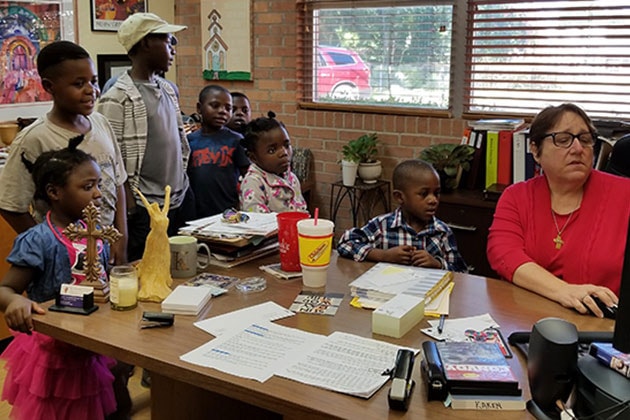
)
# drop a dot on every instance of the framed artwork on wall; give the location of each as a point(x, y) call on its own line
point(111, 65)
point(107, 15)
point(25, 28)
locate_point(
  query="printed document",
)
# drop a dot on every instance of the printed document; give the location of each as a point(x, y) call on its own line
point(255, 352)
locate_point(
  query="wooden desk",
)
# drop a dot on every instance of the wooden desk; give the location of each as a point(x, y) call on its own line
point(182, 390)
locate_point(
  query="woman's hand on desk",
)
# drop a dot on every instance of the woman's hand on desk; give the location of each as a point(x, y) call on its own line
point(580, 298)
point(535, 278)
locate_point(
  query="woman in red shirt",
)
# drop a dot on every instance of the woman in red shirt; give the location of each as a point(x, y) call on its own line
point(563, 234)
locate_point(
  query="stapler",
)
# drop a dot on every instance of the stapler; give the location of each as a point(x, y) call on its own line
point(433, 372)
point(402, 385)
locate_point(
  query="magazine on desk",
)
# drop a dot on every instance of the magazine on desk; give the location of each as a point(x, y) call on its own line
point(384, 281)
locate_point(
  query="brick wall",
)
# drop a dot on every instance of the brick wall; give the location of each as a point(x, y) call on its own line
point(274, 88)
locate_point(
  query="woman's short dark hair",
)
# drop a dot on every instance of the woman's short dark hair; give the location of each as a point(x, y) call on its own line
point(549, 116)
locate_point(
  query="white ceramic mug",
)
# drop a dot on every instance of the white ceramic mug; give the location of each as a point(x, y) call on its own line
point(184, 261)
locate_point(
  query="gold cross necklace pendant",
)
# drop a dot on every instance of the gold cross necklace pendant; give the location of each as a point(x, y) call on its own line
point(558, 239)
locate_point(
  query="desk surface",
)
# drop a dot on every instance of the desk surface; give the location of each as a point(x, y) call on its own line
point(117, 334)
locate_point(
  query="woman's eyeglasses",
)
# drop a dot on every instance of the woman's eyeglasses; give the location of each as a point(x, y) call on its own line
point(565, 139)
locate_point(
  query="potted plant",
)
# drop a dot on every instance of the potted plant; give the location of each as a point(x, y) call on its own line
point(366, 148)
point(349, 164)
point(449, 160)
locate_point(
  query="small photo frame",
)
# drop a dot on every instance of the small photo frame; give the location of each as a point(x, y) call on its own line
point(110, 65)
point(107, 15)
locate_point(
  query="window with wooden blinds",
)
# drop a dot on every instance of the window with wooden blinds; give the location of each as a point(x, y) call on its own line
point(522, 56)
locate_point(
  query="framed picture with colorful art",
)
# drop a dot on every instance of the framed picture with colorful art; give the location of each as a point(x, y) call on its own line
point(107, 15)
point(25, 28)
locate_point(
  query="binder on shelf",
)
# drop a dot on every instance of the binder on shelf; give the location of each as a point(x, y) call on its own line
point(476, 176)
point(504, 161)
point(492, 157)
point(519, 150)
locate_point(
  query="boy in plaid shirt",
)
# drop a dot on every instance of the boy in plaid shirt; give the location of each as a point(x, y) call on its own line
point(411, 234)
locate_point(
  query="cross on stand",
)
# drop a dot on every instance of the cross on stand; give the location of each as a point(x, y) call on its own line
point(92, 232)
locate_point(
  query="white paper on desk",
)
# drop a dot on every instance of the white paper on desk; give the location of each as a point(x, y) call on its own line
point(255, 352)
point(345, 363)
point(237, 320)
point(258, 224)
point(455, 329)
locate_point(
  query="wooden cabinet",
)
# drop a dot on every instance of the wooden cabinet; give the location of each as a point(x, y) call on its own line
point(470, 217)
point(7, 236)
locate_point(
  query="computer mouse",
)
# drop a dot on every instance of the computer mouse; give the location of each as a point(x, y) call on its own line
point(609, 311)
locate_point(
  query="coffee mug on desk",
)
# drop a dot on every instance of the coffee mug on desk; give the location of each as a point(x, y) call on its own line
point(184, 261)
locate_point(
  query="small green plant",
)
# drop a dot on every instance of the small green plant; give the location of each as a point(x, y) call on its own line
point(447, 158)
point(362, 149)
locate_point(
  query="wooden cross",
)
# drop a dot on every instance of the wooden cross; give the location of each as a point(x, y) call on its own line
point(93, 232)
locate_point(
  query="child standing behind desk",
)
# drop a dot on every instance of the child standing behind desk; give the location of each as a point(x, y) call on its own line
point(270, 185)
point(241, 112)
point(47, 378)
point(411, 234)
point(217, 157)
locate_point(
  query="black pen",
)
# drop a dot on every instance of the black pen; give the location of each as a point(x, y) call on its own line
point(441, 324)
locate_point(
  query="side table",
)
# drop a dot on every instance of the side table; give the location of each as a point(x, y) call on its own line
point(363, 198)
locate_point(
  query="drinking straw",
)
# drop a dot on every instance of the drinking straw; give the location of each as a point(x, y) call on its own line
point(316, 216)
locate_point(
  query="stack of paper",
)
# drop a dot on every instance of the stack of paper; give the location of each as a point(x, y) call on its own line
point(186, 300)
point(257, 224)
point(384, 281)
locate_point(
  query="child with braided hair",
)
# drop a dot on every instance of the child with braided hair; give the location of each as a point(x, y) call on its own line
point(269, 184)
point(47, 378)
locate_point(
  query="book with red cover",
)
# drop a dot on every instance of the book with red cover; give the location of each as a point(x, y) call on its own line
point(504, 161)
point(479, 368)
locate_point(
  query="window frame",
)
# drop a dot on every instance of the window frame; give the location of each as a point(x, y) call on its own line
point(460, 56)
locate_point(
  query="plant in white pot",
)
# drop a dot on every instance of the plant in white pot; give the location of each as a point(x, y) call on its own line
point(370, 169)
point(349, 163)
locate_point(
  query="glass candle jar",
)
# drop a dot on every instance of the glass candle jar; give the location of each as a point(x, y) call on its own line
point(123, 287)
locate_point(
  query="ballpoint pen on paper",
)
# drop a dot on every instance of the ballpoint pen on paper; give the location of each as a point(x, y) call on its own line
point(440, 327)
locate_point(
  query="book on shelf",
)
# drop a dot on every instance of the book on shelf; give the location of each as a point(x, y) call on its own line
point(186, 300)
point(477, 368)
point(611, 357)
point(487, 402)
point(384, 281)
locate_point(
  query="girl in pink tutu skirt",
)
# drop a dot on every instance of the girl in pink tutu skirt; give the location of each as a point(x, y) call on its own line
point(47, 378)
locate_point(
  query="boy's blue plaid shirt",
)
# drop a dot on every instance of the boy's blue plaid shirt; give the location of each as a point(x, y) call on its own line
point(389, 230)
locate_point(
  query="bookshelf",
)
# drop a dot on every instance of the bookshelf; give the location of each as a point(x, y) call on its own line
point(470, 217)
